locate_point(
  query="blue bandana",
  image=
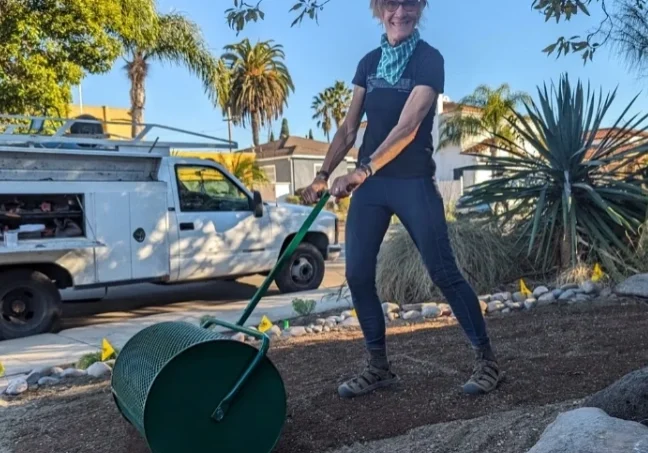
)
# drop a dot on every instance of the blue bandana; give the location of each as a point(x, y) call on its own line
point(394, 59)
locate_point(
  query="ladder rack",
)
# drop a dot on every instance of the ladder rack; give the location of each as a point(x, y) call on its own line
point(87, 136)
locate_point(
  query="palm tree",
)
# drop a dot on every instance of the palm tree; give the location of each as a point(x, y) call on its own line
point(496, 105)
point(260, 83)
point(342, 101)
point(331, 105)
point(244, 168)
point(171, 38)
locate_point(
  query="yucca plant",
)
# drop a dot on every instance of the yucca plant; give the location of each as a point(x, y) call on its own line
point(570, 195)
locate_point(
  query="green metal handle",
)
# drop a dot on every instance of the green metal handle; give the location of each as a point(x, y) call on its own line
point(284, 257)
point(220, 412)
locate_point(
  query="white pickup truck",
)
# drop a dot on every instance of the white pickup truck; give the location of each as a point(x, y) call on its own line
point(80, 212)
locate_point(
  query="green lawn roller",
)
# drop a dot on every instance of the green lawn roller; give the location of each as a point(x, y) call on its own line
point(188, 389)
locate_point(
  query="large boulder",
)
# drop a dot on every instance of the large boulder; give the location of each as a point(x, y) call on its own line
point(626, 398)
point(590, 430)
point(635, 286)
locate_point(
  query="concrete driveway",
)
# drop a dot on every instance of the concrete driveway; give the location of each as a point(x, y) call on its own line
point(134, 301)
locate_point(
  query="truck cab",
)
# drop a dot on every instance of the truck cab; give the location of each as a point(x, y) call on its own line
point(81, 213)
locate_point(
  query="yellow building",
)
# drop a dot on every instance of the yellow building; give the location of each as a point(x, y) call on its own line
point(105, 113)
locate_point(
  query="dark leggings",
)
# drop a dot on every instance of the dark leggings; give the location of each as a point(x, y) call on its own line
point(419, 206)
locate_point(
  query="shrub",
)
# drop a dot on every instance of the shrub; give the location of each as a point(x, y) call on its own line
point(573, 190)
point(303, 307)
point(293, 199)
point(486, 258)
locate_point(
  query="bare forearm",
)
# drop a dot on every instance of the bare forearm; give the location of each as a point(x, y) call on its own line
point(394, 144)
point(343, 141)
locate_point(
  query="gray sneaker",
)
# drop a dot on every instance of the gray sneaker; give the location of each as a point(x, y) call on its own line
point(370, 379)
point(486, 374)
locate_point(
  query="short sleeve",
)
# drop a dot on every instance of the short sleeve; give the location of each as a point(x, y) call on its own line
point(430, 70)
point(360, 78)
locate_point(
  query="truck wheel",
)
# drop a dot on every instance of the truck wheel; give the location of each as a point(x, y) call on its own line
point(29, 304)
point(304, 270)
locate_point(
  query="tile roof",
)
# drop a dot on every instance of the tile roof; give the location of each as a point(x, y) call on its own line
point(292, 145)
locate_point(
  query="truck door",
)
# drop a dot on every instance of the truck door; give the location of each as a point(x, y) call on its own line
point(218, 233)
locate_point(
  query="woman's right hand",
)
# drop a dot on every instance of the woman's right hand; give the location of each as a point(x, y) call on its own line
point(311, 193)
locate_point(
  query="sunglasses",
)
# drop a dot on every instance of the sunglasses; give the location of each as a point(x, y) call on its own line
point(408, 5)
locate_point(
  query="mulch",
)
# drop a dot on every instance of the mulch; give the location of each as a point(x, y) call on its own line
point(550, 355)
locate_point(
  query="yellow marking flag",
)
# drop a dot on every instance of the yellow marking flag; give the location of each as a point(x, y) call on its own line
point(597, 274)
point(265, 324)
point(2, 369)
point(353, 313)
point(106, 350)
point(524, 290)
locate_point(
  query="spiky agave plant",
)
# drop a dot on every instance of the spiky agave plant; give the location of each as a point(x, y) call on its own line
point(570, 192)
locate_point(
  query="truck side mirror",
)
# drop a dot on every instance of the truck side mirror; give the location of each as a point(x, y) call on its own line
point(257, 203)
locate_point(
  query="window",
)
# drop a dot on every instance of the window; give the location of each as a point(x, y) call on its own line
point(271, 173)
point(206, 189)
point(457, 174)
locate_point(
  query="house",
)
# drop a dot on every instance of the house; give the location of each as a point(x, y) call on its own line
point(291, 163)
point(116, 120)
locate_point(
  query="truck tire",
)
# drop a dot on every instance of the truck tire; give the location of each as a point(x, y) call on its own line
point(30, 304)
point(304, 271)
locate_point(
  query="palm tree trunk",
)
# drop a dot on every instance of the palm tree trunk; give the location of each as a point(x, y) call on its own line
point(137, 75)
point(255, 128)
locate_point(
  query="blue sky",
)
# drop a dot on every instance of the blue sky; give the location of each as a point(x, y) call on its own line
point(483, 42)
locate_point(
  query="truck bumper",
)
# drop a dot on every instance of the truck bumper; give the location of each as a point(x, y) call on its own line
point(334, 251)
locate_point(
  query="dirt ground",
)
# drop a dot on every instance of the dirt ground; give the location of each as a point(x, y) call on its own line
point(554, 355)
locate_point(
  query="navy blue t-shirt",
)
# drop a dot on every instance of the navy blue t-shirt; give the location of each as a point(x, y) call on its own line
point(384, 103)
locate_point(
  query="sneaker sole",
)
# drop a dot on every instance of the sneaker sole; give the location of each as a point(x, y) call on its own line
point(346, 393)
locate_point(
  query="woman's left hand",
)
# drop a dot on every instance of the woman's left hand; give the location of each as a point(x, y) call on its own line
point(344, 185)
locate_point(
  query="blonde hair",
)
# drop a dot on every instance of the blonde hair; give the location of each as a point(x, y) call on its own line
point(376, 8)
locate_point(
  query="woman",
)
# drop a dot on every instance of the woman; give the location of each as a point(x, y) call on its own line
point(397, 85)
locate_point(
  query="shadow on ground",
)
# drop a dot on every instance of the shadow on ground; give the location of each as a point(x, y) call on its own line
point(550, 356)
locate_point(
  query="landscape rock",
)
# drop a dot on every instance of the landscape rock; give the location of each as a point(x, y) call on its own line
point(486, 298)
point(506, 310)
point(98, 370)
point(391, 316)
point(17, 386)
point(431, 311)
point(635, 286)
point(496, 305)
point(530, 303)
point(626, 398)
point(568, 294)
point(35, 375)
point(351, 322)
point(606, 292)
point(389, 307)
point(556, 293)
point(346, 314)
point(569, 286)
point(331, 320)
point(446, 310)
point(326, 329)
point(546, 299)
point(48, 380)
point(412, 315)
point(482, 304)
point(57, 372)
point(412, 307)
point(590, 430)
point(73, 372)
point(330, 324)
point(274, 331)
point(513, 305)
point(318, 329)
point(320, 321)
point(239, 336)
point(297, 331)
point(539, 291)
point(502, 297)
point(519, 297)
point(309, 330)
point(580, 298)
